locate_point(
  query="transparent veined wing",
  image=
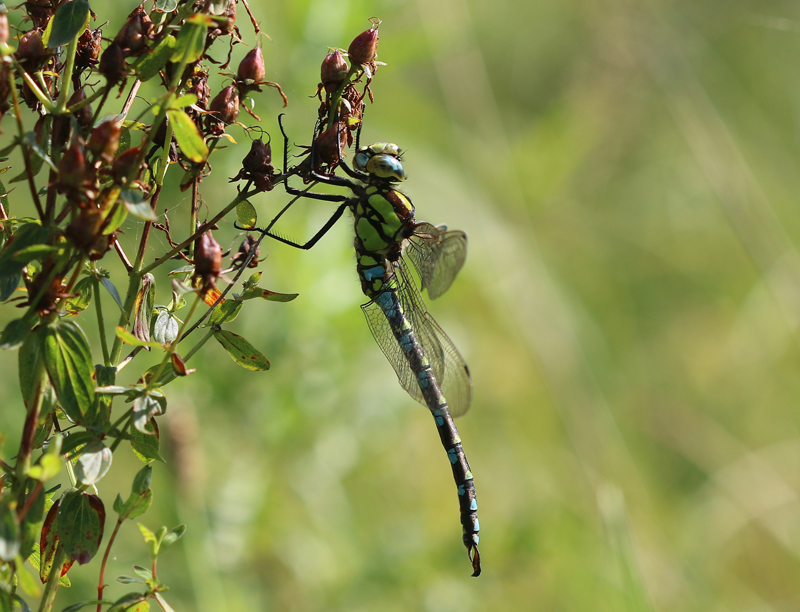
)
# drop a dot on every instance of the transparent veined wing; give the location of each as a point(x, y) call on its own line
point(437, 255)
point(447, 364)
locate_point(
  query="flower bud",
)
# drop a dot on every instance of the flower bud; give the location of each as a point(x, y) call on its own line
point(104, 140)
point(252, 67)
point(333, 71)
point(225, 106)
point(364, 48)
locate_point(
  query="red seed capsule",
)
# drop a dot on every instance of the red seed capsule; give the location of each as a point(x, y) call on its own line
point(333, 71)
point(72, 167)
point(207, 260)
point(252, 67)
point(112, 63)
point(364, 48)
point(104, 140)
point(225, 106)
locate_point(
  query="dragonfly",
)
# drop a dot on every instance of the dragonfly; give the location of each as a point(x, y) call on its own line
point(387, 236)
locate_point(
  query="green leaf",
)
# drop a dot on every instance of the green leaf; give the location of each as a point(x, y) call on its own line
point(165, 329)
point(155, 61)
point(83, 296)
point(113, 291)
point(172, 536)
point(81, 518)
point(48, 466)
point(128, 338)
point(143, 308)
point(37, 160)
point(10, 536)
point(246, 215)
point(93, 463)
point(191, 41)
point(69, 364)
point(31, 525)
point(28, 584)
point(132, 602)
point(144, 409)
point(129, 580)
point(27, 234)
point(266, 294)
point(4, 192)
point(69, 22)
point(241, 351)
point(116, 216)
point(82, 604)
point(225, 312)
point(137, 505)
point(29, 358)
point(9, 284)
point(35, 251)
point(137, 205)
point(142, 572)
point(184, 101)
point(166, 6)
point(188, 136)
point(14, 334)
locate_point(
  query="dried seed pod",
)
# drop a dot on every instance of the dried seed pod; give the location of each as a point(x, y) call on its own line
point(224, 110)
point(333, 71)
point(112, 63)
point(364, 48)
point(248, 244)
point(252, 67)
point(135, 34)
point(257, 166)
point(84, 114)
point(125, 165)
point(328, 145)
point(89, 48)
point(31, 52)
point(72, 168)
point(207, 260)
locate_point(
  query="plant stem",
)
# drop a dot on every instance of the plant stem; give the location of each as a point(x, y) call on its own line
point(25, 152)
point(51, 587)
point(61, 106)
point(101, 581)
point(101, 322)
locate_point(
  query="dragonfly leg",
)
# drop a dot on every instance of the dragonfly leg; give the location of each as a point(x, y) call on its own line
point(325, 228)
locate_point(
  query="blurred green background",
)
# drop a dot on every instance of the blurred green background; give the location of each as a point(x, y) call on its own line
point(627, 174)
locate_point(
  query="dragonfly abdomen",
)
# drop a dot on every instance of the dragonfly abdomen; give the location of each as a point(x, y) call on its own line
point(434, 399)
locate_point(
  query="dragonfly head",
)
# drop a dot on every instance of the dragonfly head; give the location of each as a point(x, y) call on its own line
point(381, 160)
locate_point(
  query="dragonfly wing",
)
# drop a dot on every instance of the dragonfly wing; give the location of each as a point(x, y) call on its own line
point(447, 364)
point(382, 332)
point(438, 255)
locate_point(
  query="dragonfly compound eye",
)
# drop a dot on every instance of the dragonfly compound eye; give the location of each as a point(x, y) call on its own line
point(386, 166)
